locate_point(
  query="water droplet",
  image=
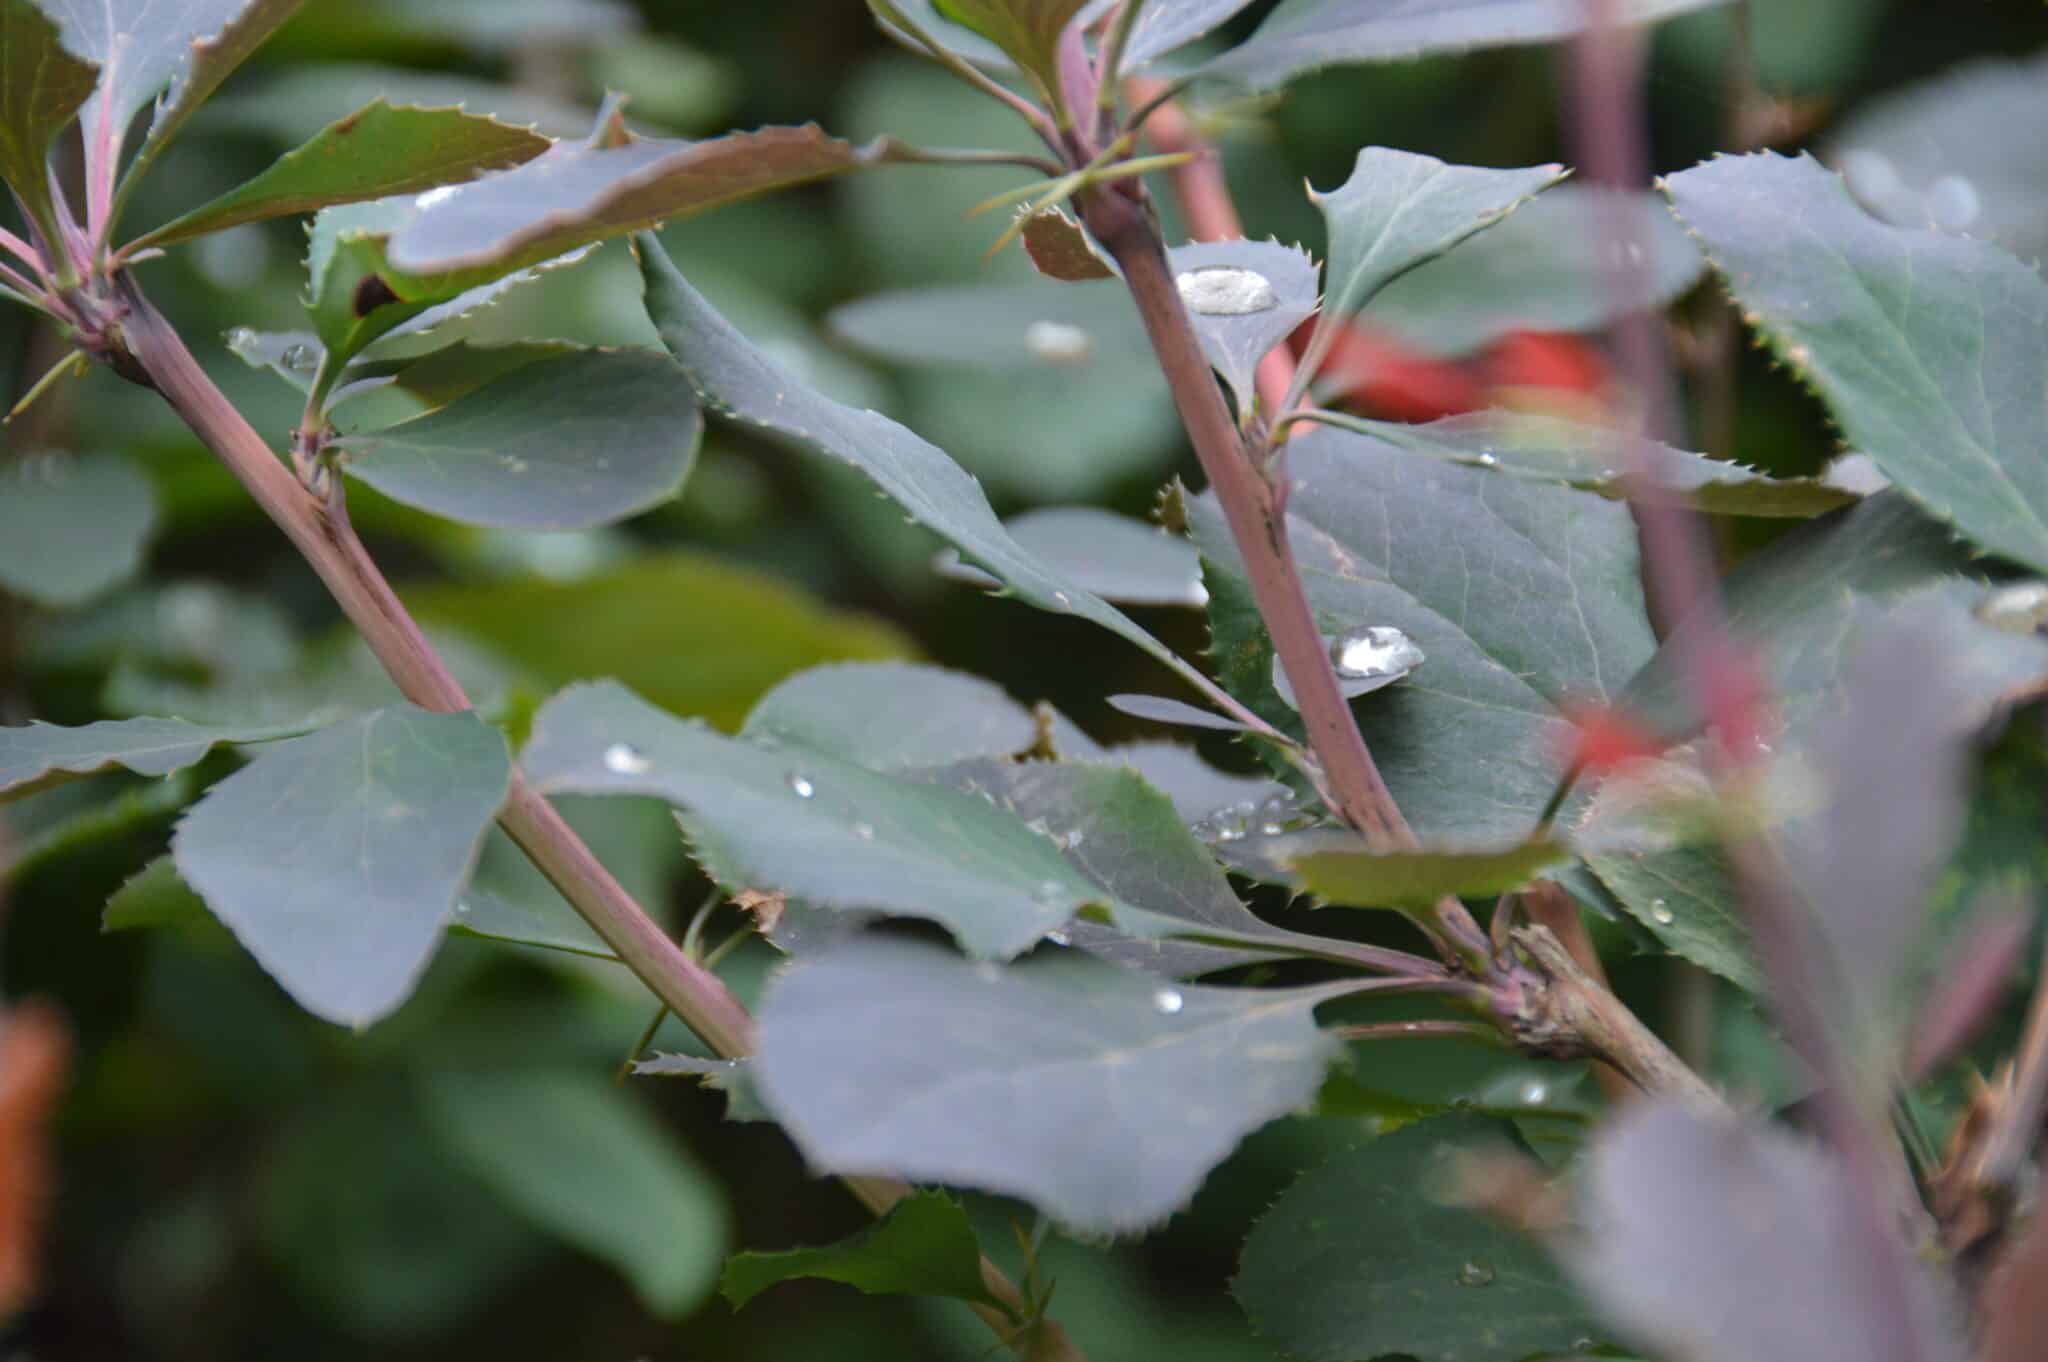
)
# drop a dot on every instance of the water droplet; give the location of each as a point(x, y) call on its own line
point(1661, 914)
point(1059, 938)
point(1475, 1272)
point(240, 338)
point(2020, 609)
point(1377, 650)
point(300, 358)
point(1230, 826)
point(1953, 203)
point(1168, 1000)
point(801, 785)
point(624, 759)
point(1488, 459)
point(1535, 1093)
point(1272, 827)
point(1059, 598)
point(1226, 291)
point(864, 831)
point(1058, 342)
point(435, 196)
point(462, 908)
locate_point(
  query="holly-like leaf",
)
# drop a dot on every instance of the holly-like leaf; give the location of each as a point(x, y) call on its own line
point(1244, 298)
point(1521, 597)
point(1114, 556)
point(1417, 879)
point(578, 193)
point(1546, 268)
point(925, 1246)
point(1028, 31)
point(1928, 347)
point(141, 46)
point(1546, 448)
point(1098, 1094)
point(376, 151)
point(813, 826)
point(1400, 209)
point(1687, 899)
point(337, 858)
point(577, 1156)
point(40, 755)
point(892, 716)
point(1785, 605)
point(1935, 152)
point(565, 443)
point(1307, 35)
point(1714, 1238)
point(214, 56)
point(42, 88)
point(1362, 1257)
point(70, 528)
point(738, 381)
point(1165, 26)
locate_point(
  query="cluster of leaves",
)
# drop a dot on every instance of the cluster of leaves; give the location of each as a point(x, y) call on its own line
point(1046, 1043)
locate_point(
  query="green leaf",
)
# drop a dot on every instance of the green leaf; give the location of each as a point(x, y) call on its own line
point(376, 151)
point(695, 635)
point(1307, 35)
point(1420, 878)
point(42, 88)
point(1521, 597)
point(214, 56)
point(1098, 1094)
point(813, 826)
point(892, 716)
point(1000, 327)
point(1126, 836)
point(1363, 1257)
point(1244, 298)
point(1687, 898)
point(85, 824)
point(925, 1246)
point(72, 527)
point(1786, 605)
point(1028, 31)
point(575, 1155)
point(1399, 210)
point(1119, 559)
point(1929, 348)
point(141, 47)
point(575, 194)
point(1547, 448)
point(564, 443)
point(1545, 269)
point(1705, 1227)
point(337, 858)
point(738, 381)
point(1165, 26)
point(1940, 144)
point(40, 755)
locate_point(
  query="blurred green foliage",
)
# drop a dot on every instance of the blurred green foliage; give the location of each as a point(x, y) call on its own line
point(240, 1181)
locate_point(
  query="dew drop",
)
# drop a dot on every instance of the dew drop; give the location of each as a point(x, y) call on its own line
point(300, 358)
point(1375, 651)
point(1059, 938)
point(1535, 1093)
point(1060, 599)
point(1058, 342)
point(1226, 291)
point(1475, 1272)
point(1488, 459)
point(435, 196)
point(2020, 609)
point(624, 759)
point(801, 785)
point(1661, 914)
point(864, 831)
point(512, 463)
point(240, 338)
point(1272, 827)
point(1168, 1001)
point(1953, 203)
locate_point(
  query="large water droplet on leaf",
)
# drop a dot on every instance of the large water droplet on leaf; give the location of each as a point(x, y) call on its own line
point(1168, 1001)
point(1227, 291)
point(1365, 660)
point(801, 785)
point(624, 759)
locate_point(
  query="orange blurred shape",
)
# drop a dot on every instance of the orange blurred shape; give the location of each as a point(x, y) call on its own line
point(1379, 375)
point(1603, 739)
point(35, 1053)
